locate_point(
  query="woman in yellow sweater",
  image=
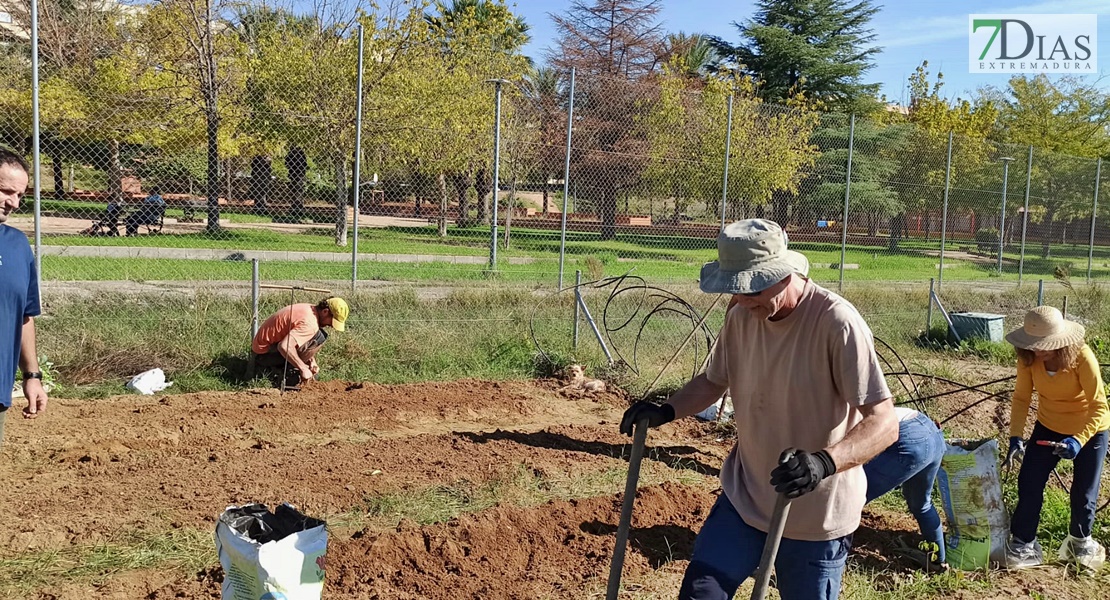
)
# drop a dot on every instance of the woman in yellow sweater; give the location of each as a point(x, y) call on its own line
point(1072, 419)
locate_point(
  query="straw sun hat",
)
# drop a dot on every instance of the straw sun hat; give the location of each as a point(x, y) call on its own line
point(752, 257)
point(1046, 329)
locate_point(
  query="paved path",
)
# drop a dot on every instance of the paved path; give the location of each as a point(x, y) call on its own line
point(267, 255)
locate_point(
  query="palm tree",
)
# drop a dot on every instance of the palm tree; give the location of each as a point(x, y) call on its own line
point(513, 37)
point(695, 53)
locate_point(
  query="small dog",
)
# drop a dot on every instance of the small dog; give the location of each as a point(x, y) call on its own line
point(576, 379)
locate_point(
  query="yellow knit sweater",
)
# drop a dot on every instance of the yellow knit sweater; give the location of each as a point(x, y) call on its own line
point(1071, 402)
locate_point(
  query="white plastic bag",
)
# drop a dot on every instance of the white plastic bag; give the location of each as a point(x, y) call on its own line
point(711, 412)
point(148, 382)
point(972, 493)
point(268, 555)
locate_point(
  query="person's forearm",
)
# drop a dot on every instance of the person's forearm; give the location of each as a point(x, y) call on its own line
point(875, 433)
point(289, 350)
point(28, 355)
point(695, 396)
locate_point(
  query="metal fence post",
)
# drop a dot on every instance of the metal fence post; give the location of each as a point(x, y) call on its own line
point(593, 324)
point(847, 195)
point(358, 160)
point(254, 317)
point(1094, 214)
point(943, 220)
point(577, 299)
point(566, 192)
point(496, 174)
point(728, 152)
point(929, 311)
point(1040, 292)
point(1002, 215)
point(36, 157)
point(254, 296)
point(1025, 213)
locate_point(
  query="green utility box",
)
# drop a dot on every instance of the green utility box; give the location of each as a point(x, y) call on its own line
point(986, 326)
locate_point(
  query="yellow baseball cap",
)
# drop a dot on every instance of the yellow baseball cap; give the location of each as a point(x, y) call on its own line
point(339, 311)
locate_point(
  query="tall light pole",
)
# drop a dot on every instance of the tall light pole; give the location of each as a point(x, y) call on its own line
point(1002, 216)
point(496, 172)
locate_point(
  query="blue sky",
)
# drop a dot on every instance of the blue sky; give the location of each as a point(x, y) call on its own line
point(908, 32)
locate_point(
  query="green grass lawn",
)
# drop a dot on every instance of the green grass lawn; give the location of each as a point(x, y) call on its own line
point(872, 266)
point(652, 256)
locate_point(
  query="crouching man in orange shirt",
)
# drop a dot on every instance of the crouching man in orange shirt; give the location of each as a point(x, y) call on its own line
point(293, 335)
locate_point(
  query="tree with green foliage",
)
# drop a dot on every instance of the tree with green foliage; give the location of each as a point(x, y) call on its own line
point(1063, 119)
point(694, 53)
point(446, 96)
point(686, 131)
point(309, 105)
point(820, 47)
point(876, 150)
point(923, 162)
point(478, 40)
point(100, 95)
point(192, 41)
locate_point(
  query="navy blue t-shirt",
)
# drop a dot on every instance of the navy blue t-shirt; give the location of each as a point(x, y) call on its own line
point(19, 299)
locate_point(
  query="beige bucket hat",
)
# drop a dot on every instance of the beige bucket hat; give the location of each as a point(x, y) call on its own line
point(1046, 328)
point(752, 257)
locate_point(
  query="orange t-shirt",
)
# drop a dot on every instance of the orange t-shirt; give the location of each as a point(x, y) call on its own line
point(297, 321)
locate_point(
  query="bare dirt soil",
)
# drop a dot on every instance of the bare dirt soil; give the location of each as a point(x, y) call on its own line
point(90, 472)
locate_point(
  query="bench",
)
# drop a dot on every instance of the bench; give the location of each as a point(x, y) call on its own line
point(189, 210)
point(156, 218)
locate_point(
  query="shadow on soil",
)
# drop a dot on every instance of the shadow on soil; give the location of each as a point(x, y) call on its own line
point(660, 544)
point(675, 457)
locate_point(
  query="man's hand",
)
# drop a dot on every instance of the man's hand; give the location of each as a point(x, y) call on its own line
point(1067, 448)
point(655, 414)
point(1016, 451)
point(306, 374)
point(36, 398)
point(801, 473)
point(312, 366)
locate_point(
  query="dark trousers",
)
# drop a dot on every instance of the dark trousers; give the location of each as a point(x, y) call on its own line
point(1035, 470)
point(273, 360)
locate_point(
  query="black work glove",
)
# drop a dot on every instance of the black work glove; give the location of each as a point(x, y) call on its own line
point(1016, 452)
point(656, 415)
point(801, 472)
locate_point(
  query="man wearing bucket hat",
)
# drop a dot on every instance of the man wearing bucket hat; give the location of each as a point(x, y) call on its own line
point(1071, 424)
point(800, 364)
point(294, 334)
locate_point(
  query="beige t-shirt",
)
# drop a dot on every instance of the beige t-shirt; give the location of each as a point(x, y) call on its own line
point(797, 383)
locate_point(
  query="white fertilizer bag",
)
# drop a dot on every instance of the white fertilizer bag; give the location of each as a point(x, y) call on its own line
point(271, 556)
point(972, 493)
point(148, 382)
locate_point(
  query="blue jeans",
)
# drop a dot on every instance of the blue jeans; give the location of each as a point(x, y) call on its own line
point(727, 551)
point(1035, 469)
point(912, 462)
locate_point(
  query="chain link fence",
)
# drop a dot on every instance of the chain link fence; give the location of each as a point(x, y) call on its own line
point(641, 181)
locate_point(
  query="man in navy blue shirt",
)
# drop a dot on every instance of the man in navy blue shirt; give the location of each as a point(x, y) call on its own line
point(19, 297)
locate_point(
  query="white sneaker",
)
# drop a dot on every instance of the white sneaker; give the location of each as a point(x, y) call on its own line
point(1083, 551)
point(1023, 556)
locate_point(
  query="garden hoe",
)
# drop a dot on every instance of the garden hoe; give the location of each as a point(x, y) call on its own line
point(771, 546)
point(639, 439)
